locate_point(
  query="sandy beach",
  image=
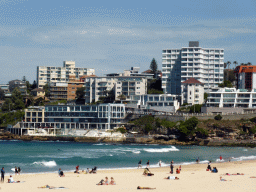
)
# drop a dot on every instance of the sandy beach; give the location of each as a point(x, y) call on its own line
point(192, 178)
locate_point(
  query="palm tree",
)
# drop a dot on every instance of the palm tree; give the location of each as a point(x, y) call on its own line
point(235, 63)
point(242, 63)
point(249, 63)
point(228, 64)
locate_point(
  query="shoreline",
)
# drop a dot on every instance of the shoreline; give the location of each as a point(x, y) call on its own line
point(137, 140)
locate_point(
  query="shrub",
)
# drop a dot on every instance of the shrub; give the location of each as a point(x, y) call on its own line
point(218, 117)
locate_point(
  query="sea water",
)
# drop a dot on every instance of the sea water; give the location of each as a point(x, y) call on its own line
point(40, 157)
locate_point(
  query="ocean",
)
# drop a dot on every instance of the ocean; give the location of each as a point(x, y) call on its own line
point(42, 157)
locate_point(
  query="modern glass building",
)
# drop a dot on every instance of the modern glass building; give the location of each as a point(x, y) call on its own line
point(60, 119)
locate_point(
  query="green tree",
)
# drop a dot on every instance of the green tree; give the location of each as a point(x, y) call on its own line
point(34, 85)
point(122, 97)
point(226, 84)
point(153, 66)
point(47, 90)
point(2, 96)
point(80, 93)
point(205, 97)
point(7, 106)
point(17, 100)
point(187, 128)
point(218, 117)
point(195, 108)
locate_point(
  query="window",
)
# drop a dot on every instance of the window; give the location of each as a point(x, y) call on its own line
point(138, 87)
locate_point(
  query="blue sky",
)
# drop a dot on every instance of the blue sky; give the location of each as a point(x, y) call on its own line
point(111, 36)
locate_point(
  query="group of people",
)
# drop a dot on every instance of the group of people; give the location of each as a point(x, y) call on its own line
point(94, 170)
point(106, 182)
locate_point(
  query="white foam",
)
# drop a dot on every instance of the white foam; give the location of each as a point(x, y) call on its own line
point(245, 149)
point(244, 158)
point(161, 150)
point(46, 163)
point(136, 152)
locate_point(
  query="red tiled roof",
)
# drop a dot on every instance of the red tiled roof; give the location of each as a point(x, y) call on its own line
point(192, 81)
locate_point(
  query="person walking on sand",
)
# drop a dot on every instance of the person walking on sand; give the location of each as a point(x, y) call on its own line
point(171, 166)
point(160, 163)
point(148, 164)
point(2, 174)
point(139, 164)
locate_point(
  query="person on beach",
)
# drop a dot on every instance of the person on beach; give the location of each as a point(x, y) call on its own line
point(2, 174)
point(19, 170)
point(77, 169)
point(106, 181)
point(197, 160)
point(101, 182)
point(215, 170)
point(222, 179)
point(220, 158)
point(139, 164)
point(94, 170)
point(50, 187)
point(10, 180)
point(171, 166)
point(87, 171)
point(177, 171)
point(147, 172)
point(180, 167)
point(145, 188)
point(209, 166)
point(160, 163)
point(60, 172)
point(16, 170)
point(172, 178)
point(112, 182)
point(148, 164)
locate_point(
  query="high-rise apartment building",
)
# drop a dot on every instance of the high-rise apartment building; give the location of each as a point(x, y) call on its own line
point(60, 74)
point(203, 64)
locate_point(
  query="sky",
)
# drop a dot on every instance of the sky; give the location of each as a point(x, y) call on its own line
point(111, 36)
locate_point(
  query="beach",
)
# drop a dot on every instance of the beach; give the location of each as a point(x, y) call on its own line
point(192, 178)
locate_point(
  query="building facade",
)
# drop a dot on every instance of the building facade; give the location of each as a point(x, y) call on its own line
point(96, 87)
point(232, 97)
point(245, 77)
point(64, 119)
point(204, 64)
point(21, 85)
point(158, 102)
point(60, 74)
point(192, 92)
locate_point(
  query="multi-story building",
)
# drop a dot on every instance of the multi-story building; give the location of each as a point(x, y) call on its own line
point(58, 91)
point(63, 119)
point(230, 100)
point(5, 88)
point(60, 74)
point(21, 85)
point(204, 64)
point(96, 87)
point(192, 92)
point(157, 102)
point(245, 77)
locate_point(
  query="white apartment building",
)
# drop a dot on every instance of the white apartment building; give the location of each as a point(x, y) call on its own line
point(192, 92)
point(204, 64)
point(231, 97)
point(96, 87)
point(158, 102)
point(60, 74)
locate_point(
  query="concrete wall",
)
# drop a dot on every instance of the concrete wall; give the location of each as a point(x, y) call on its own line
point(221, 110)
